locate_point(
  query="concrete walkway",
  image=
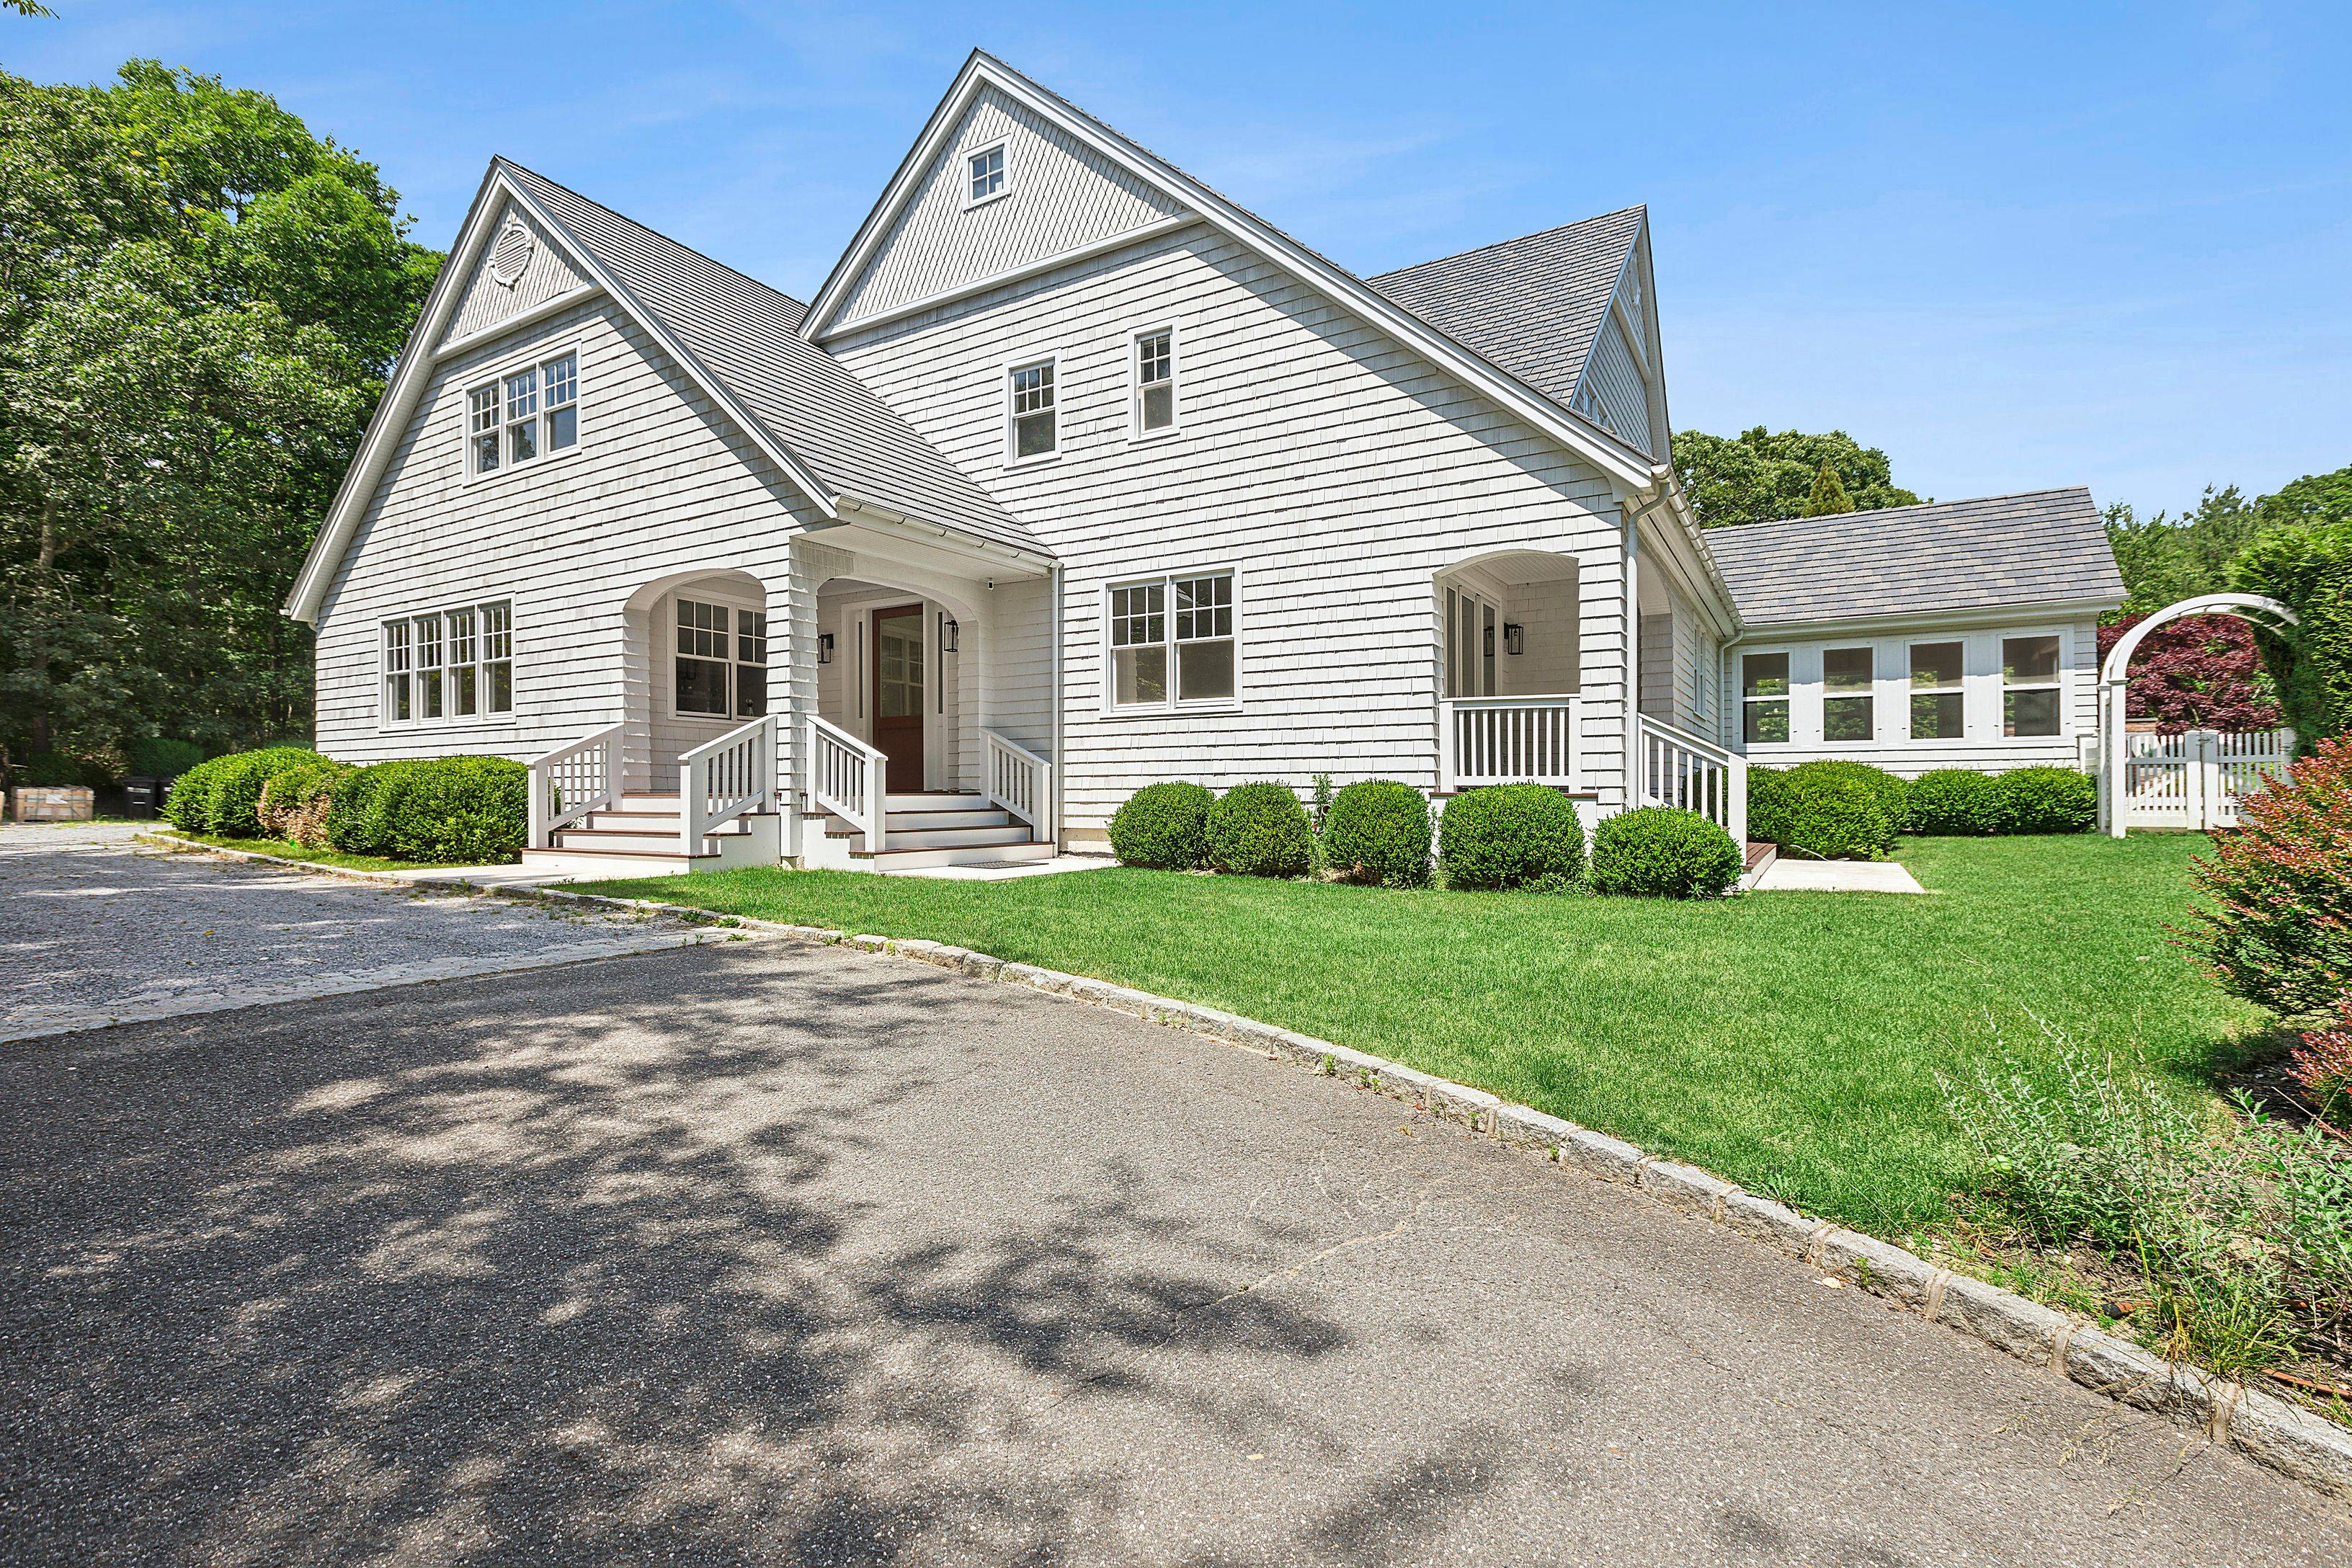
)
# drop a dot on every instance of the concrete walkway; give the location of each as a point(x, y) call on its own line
point(98, 930)
point(764, 1254)
point(1787, 875)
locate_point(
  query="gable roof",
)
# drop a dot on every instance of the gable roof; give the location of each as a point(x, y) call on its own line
point(2043, 547)
point(734, 336)
point(1612, 457)
point(1533, 305)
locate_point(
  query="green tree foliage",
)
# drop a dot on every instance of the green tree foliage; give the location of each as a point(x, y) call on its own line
point(1759, 476)
point(2165, 560)
point(2307, 566)
point(199, 301)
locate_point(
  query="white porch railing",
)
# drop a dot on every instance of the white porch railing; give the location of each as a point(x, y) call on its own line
point(1019, 780)
point(568, 782)
point(1508, 740)
point(1677, 768)
point(846, 777)
point(721, 780)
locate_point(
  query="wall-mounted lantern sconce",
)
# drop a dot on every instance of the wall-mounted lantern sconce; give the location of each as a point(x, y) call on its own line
point(1515, 638)
point(948, 630)
point(825, 648)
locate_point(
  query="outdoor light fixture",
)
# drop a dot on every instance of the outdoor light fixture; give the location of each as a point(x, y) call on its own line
point(947, 633)
point(825, 648)
point(1515, 638)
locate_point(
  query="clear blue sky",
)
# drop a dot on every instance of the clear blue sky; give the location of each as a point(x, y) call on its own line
point(2015, 245)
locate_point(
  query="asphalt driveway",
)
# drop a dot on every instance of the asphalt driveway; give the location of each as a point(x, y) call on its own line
point(759, 1254)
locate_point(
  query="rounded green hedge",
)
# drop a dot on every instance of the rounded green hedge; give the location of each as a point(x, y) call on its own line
point(1260, 830)
point(223, 796)
point(1664, 852)
point(292, 802)
point(1377, 831)
point(1951, 801)
point(469, 810)
point(2042, 800)
point(1834, 810)
point(1510, 835)
point(353, 825)
point(1163, 826)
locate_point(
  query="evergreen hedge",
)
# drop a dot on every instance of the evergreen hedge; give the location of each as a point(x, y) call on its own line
point(2042, 800)
point(1376, 830)
point(1664, 852)
point(1510, 835)
point(2308, 568)
point(1952, 802)
point(223, 796)
point(1260, 830)
point(1833, 810)
point(1163, 826)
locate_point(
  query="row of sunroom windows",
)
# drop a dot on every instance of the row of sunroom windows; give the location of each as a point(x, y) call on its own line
point(2032, 694)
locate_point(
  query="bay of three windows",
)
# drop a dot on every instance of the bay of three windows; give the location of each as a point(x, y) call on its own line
point(2031, 694)
point(1033, 394)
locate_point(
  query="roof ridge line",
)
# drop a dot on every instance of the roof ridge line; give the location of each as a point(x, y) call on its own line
point(1512, 239)
point(1914, 506)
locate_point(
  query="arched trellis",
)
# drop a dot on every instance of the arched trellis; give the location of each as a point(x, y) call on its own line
point(2115, 679)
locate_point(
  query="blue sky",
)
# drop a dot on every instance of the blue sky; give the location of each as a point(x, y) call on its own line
point(2015, 245)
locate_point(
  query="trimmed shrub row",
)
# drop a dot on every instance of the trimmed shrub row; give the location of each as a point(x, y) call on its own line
point(1378, 831)
point(1851, 811)
point(458, 810)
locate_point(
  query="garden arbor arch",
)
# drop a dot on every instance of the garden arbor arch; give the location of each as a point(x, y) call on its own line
point(2114, 678)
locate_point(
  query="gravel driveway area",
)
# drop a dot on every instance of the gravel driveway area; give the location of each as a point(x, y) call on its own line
point(95, 929)
point(765, 1254)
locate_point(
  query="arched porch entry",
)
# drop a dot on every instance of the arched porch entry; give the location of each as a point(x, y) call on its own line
point(2187, 778)
point(695, 664)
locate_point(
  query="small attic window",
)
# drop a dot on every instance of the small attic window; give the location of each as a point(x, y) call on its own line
point(984, 172)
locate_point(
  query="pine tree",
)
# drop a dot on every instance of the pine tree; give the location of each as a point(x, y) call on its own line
point(1829, 494)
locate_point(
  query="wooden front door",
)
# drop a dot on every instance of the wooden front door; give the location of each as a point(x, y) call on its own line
point(898, 695)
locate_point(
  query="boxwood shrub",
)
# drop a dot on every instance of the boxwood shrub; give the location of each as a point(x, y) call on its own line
point(1510, 835)
point(2042, 800)
point(352, 823)
point(223, 796)
point(294, 803)
point(1664, 852)
point(1260, 830)
point(1376, 830)
point(1163, 826)
point(1951, 801)
point(1833, 810)
point(467, 810)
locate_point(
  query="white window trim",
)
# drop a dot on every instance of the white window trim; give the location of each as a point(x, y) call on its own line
point(2057, 683)
point(473, 381)
point(1981, 690)
point(1004, 393)
point(1869, 693)
point(1960, 689)
point(1136, 433)
point(1738, 699)
point(1107, 707)
point(1004, 184)
point(481, 717)
point(734, 607)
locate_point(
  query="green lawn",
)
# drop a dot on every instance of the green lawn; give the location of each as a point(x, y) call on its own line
point(1788, 1041)
point(288, 850)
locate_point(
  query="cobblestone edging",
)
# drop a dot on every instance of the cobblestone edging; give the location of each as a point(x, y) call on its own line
point(2268, 1430)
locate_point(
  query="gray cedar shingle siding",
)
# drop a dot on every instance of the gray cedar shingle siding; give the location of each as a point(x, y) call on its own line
point(2044, 547)
point(1531, 305)
point(745, 333)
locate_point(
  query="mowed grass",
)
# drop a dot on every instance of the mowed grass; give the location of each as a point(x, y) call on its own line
point(1790, 1042)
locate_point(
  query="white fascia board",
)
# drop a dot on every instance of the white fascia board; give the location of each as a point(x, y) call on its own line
point(923, 542)
point(555, 306)
point(1925, 621)
point(1010, 276)
point(1605, 452)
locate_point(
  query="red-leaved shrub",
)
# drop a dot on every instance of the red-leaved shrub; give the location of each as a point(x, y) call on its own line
point(2202, 673)
point(2323, 1063)
point(2279, 928)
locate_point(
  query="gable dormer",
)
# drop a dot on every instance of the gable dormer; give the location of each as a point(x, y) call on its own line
point(520, 268)
point(1004, 192)
point(1622, 387)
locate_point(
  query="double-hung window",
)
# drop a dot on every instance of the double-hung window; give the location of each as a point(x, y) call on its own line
point(722, 660)
point(1173, 641)
point(1764, 698)
point(1939, 698)
point(1030, 412)
point(2030, 686)
point(1847, 710)
point(523, 415)
point(984, 174)
point(456, 663)
point(1155, 382)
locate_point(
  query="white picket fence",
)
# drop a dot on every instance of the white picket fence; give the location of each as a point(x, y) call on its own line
point(2195, 779)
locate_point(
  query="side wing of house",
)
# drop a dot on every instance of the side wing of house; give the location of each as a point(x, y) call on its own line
point(554, 488)
point(1261, 499)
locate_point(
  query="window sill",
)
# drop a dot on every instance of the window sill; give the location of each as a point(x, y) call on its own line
point(530, 466)
point(1198, 710)
point(990, 200)
point(1146, 437)
point(1040, 460)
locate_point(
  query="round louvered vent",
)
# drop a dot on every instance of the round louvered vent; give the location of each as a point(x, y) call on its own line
point(512, 254)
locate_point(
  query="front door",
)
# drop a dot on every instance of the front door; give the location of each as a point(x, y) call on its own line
point(898, 695)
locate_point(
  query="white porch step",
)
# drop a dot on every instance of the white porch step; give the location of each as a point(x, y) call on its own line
point(618, 862)
point(971, 817)
point(945, 838)
point(936, 800)
point(909, 860)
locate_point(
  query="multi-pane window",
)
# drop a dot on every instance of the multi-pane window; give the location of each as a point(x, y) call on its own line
point(722, 660)
point(1172, 641)
point(1031, 390)
point(1155, 382)
point(1939, 708)
point(524, 414)
point(1846, 709)
point(2030, 688)
point(986, 168)
point(449, 664)
point(1764, 698)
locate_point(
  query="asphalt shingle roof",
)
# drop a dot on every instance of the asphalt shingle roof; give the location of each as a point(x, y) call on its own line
point(1531, 305)
point(2041, 547)
point(744, 333)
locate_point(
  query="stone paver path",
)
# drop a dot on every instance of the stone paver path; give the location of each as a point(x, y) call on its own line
point(97, 929)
